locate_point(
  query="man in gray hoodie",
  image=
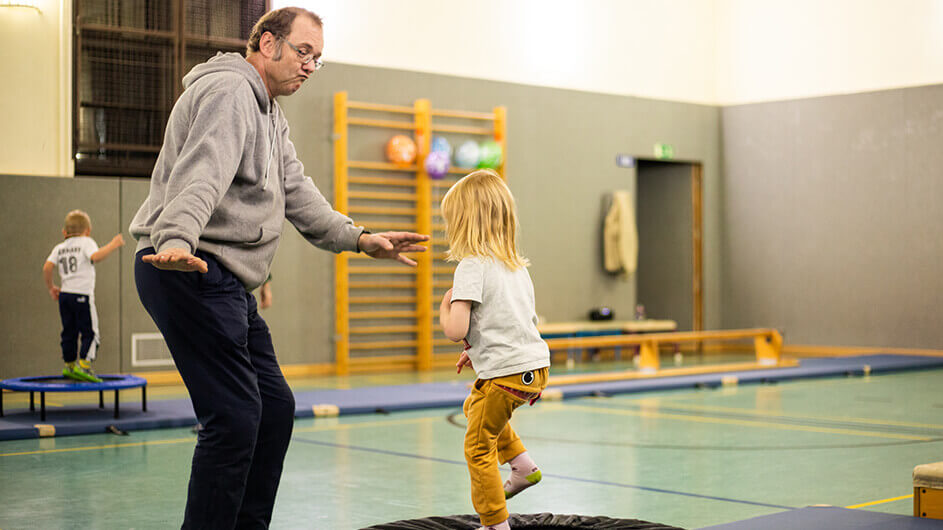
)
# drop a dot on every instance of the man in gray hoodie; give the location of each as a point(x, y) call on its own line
point(226, 179)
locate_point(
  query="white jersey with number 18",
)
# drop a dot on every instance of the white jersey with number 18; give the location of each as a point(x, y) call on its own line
point(73, 259)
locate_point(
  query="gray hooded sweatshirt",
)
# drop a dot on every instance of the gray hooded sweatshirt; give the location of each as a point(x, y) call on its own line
point(227, 177)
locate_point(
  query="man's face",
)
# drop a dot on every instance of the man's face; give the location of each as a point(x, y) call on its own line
point(288, 73)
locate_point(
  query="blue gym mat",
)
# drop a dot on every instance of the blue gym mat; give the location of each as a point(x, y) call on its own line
point(831, 518)
point(20, 423)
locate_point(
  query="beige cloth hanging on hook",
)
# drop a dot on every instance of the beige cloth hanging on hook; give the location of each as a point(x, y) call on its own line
point(620, 236)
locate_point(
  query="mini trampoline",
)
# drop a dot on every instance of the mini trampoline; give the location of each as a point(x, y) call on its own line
point(536, 521)
point(58, 383)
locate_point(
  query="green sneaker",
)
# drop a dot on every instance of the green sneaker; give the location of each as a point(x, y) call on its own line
point(67, 371)
point(82, 371)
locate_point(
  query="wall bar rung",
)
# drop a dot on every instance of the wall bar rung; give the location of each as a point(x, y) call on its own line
point(377, 225)
point(379, 107)
point(384, 285)
point(382, 270)
point(383, 181)
point(367, 315)
point(382, 300)
point(373, 330)
point(463, 114)
point(382, 211)
point(390, 359)
point(462, 130)
point(380, 166)
point(383, 345)
point(382, 195)
point(461, 170)
point(386, 124)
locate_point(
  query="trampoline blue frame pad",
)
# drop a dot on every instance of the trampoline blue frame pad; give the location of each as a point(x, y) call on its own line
point(55, 383)
point(36, 384)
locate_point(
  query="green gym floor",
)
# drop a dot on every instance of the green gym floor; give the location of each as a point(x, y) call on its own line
point(689, 458)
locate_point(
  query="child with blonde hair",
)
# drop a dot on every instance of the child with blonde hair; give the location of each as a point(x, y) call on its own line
point(491, 308)
point(75, 259)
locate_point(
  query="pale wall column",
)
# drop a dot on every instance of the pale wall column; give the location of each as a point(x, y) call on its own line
point(35, 138)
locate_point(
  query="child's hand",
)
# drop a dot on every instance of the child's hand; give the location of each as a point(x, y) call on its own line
point(118, 240)
point(54, 292)
point(463, 361)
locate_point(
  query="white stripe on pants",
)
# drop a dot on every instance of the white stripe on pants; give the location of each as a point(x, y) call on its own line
point(93, 313)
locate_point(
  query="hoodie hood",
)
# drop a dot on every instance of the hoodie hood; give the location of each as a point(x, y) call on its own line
point(233, 63)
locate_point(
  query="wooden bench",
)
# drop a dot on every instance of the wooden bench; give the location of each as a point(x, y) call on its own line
point(928, 490)
point(579, 329)
point(556, 330)
point(767, 343)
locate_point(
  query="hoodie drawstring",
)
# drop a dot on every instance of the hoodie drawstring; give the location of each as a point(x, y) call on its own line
point(271, 152)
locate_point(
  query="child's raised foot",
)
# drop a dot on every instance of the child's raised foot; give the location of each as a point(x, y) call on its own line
point(524, 474)
point(513, 487)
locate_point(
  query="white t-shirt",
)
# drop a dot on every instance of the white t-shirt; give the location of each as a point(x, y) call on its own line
point(502, 331)
point(73, 260)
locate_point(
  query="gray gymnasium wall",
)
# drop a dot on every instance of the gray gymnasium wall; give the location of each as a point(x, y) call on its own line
point(832, 227)
point(562, 147)
point(33, 209)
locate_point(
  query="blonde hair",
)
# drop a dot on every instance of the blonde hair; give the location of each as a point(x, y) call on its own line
point(481, 219)
point(76, 223)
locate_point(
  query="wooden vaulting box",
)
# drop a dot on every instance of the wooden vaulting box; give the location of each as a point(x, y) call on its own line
point(928, 490)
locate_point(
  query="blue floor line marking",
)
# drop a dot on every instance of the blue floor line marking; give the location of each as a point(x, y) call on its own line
point(562, 477)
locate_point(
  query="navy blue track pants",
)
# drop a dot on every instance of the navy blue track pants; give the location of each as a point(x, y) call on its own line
point(79, 317)
point(224, 353)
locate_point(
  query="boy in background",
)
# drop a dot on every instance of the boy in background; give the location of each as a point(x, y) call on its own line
point(75, 258)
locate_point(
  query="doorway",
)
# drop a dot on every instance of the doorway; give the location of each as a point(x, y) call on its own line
point(669, 218)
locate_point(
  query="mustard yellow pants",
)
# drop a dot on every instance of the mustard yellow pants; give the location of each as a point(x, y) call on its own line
point(489, 439)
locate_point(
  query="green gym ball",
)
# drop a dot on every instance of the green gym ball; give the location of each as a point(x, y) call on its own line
point(489, 155)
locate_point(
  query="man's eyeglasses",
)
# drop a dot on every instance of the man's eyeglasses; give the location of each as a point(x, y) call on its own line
point(306, 57)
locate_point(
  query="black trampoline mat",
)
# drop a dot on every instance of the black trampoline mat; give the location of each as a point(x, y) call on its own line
point(538, 521)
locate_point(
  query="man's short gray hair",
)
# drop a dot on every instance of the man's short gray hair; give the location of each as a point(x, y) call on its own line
point(278, 23)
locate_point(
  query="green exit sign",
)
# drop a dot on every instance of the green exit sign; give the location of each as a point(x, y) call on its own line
point(664, 151)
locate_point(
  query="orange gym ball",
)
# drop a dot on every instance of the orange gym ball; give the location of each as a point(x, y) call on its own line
point(401, 149)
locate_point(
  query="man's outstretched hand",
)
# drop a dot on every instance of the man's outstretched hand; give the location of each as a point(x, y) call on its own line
point(392, 245)
point(176, 259)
